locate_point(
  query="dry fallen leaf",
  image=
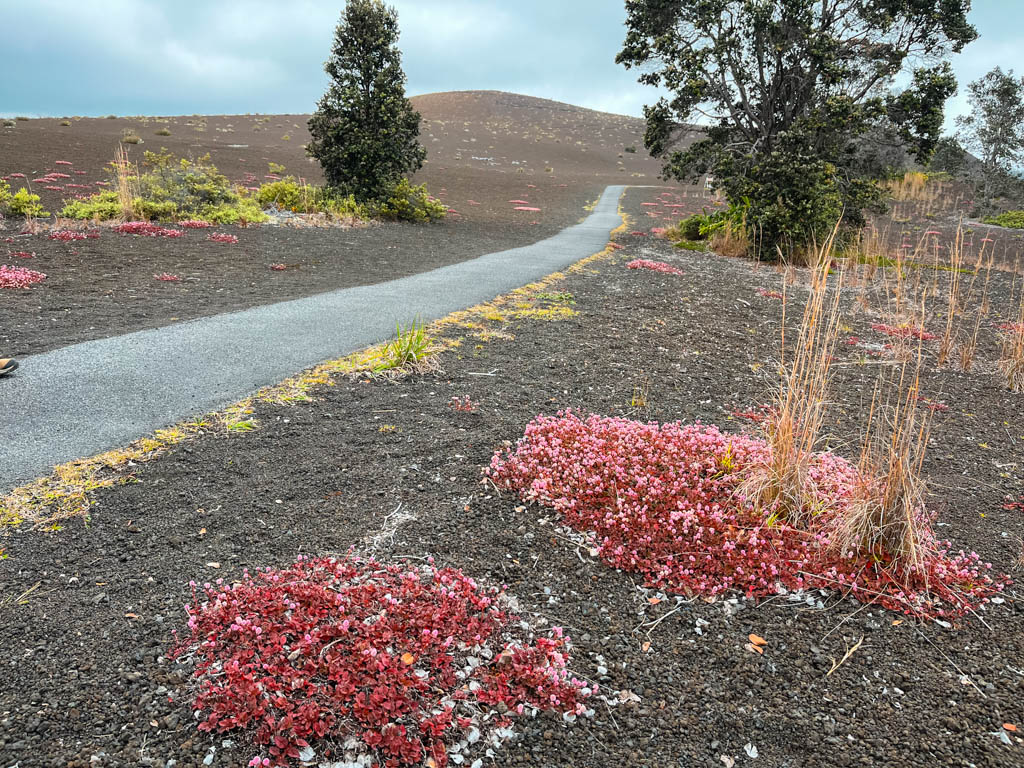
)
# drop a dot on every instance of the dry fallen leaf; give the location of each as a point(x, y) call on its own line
point(1010, 727)
point(202, 531)
point(754, 648)
point(729, 761)
point(408, 658)
point(653, 600)
point(757, 640)
point(645, 647)
point(131, 616)
point(213, 565)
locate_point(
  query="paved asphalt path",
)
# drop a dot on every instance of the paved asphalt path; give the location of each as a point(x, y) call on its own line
point(87, 398)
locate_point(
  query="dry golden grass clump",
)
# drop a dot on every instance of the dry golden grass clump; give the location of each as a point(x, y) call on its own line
point(783, 486)
point(885, 516)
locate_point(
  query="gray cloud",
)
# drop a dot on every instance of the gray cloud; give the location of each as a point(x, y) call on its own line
point(94, 57)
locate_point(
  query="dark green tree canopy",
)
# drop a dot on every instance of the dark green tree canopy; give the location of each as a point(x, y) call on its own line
point(364, 131)
point(785, 89)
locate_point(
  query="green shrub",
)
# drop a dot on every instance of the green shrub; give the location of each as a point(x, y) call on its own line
point(691, 245)
point(5, 195)
point(131, 138)
point(631, 150)
point(345, 207)
point(276, 168)
point(65, 122)
point(408, 203)
point(699, 226)
point(8, 123)
point(285, 194)
point(24, 203)
point(169, 189)
point(155, 210)
point(165, 131)
point(111, 117)
point(21, 118)
point(99, 207)
point(1012, 219)
point(245, 211)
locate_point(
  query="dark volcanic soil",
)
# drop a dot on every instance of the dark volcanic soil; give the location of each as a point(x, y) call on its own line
point(485, 149)
point(85, 683)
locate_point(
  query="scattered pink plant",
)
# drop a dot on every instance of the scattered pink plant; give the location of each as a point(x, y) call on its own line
point(167, 277)
point(525, 208)
point(222, 237)
point(19, 277)
point(769, 294)
point(386, 665)
point(1011, 327)
point(147, 229)
point(665, 501)
point(638, 233)
point(903, 331)
point(520, 202)
point(278, 267)
point(463, 404)
point(67, 235)
point(62, 162)
point(24, 254)
point(654, 266)
point(194, 224)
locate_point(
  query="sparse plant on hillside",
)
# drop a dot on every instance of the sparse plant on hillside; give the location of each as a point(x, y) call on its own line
point(364, 131)
point(785, 130)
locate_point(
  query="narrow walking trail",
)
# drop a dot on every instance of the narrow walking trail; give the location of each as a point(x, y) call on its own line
point(87, 398)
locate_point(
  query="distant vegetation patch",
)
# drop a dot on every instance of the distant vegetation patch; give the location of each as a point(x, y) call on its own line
point(1012, 219)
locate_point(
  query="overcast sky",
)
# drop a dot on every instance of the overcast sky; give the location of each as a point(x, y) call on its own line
point(169, 57)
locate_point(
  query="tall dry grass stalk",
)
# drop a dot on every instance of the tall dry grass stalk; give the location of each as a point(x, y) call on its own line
point(126, 178)
point(1011, 361)
point(731, 240)
point(782, 486)
point(886, 515)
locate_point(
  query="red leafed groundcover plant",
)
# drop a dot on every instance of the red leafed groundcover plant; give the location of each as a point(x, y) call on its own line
point(665, 501)
point(373, 664)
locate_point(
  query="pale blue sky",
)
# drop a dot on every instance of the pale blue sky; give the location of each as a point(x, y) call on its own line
point(95, 57)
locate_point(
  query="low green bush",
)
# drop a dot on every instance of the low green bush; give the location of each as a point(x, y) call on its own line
point(24, 203)
point(165, 131)
point(286, 194)
point(408, 203)
point(132, 138)
point(169, 189)
point(5, 195)
point(99, 207)
point(8, 123)
point(1012, 219)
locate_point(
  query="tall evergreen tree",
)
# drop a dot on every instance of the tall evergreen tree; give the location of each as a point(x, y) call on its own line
point(365, 132)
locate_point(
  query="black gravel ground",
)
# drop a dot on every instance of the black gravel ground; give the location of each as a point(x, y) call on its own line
point(87, 611)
